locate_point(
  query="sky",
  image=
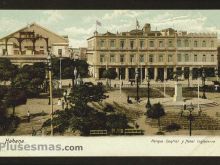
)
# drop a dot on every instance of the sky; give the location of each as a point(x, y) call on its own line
point(81, 24)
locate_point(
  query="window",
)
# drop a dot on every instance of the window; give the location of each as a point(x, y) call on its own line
point(102, 43)
point(170, 43)
point(132, 44)
point(170, 58)
point(60, 52)
point(112, 58)
point(151, 43)
point(41, 51)
point(195, 58)
point(131, 58)
point(179, 57)
point(4, 51)
point(204, 58)
point(112, 43)
point(195, 43)
point(122, 44)
point(102, 58)
point(212, 44)
point(160, 58)
point(186, 43)
point(141, 58)
point(122, 58)
point(141, 44)
point(178, 43)
point(151, 58)
point(212, 58)
point(161, 44)
point(203, 44)
point(186, 58)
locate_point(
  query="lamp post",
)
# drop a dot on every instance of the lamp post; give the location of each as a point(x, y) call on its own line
point(190, 108)
point(60, 85)
point(148, 105)
point(136, 74)
point(198, 90)
point(189, 75)
point(217, 74)
point(79, 80)
point(120, 78)
point(203, 82)
point(51, 90)
point(164, 87)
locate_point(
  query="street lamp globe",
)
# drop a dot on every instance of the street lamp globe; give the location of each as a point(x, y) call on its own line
point(136, 73)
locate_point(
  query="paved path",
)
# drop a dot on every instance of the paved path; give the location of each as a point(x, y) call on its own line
point(35, 107)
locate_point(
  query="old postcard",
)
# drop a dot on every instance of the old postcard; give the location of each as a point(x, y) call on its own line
point(109, 82)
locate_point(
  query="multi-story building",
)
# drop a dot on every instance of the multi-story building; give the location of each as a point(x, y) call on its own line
point(31, 44)
point(78, 53)
point(155, 53)
point(218, 55)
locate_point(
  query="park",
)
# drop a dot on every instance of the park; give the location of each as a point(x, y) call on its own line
point(83, 106)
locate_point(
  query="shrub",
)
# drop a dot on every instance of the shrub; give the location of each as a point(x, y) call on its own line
point(172, 127)
point(160, 133)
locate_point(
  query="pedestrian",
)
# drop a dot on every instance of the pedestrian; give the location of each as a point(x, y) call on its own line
point(114, 85)
point(63, 103)
point(34, 132)
point(128, 100)
point(67, 105)
point(136, 125)
point(184, 105)
point(59, 102)
point(28, 117)
point(200, 110)
point(69, 85)
point(181, 113)
point(64, 95)
point(42, 131)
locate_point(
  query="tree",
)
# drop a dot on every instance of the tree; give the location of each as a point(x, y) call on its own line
point(30, 78)
point(3, 112)
point(7, 70)
point(187, 75)
point(80, 116)
point(109, 74)
point(116, 121)
point(15, 97)
point(82, 94)
point(177, 74)
point(68, 66)
point(156, 112)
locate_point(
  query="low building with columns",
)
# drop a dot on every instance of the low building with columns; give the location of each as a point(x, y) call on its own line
point(31, 44)
point(157, 54)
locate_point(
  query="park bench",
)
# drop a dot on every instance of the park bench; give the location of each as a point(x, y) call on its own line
point(98, 132)
point(134, 132)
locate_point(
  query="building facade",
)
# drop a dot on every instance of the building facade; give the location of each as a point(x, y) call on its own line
point(157, 54)
point(78, 53)
point(32, 44)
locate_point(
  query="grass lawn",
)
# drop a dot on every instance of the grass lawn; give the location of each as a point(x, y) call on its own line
point(187, 92)
point(142, 92)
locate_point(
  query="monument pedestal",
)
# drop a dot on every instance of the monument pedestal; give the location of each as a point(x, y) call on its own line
point(178, 92)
